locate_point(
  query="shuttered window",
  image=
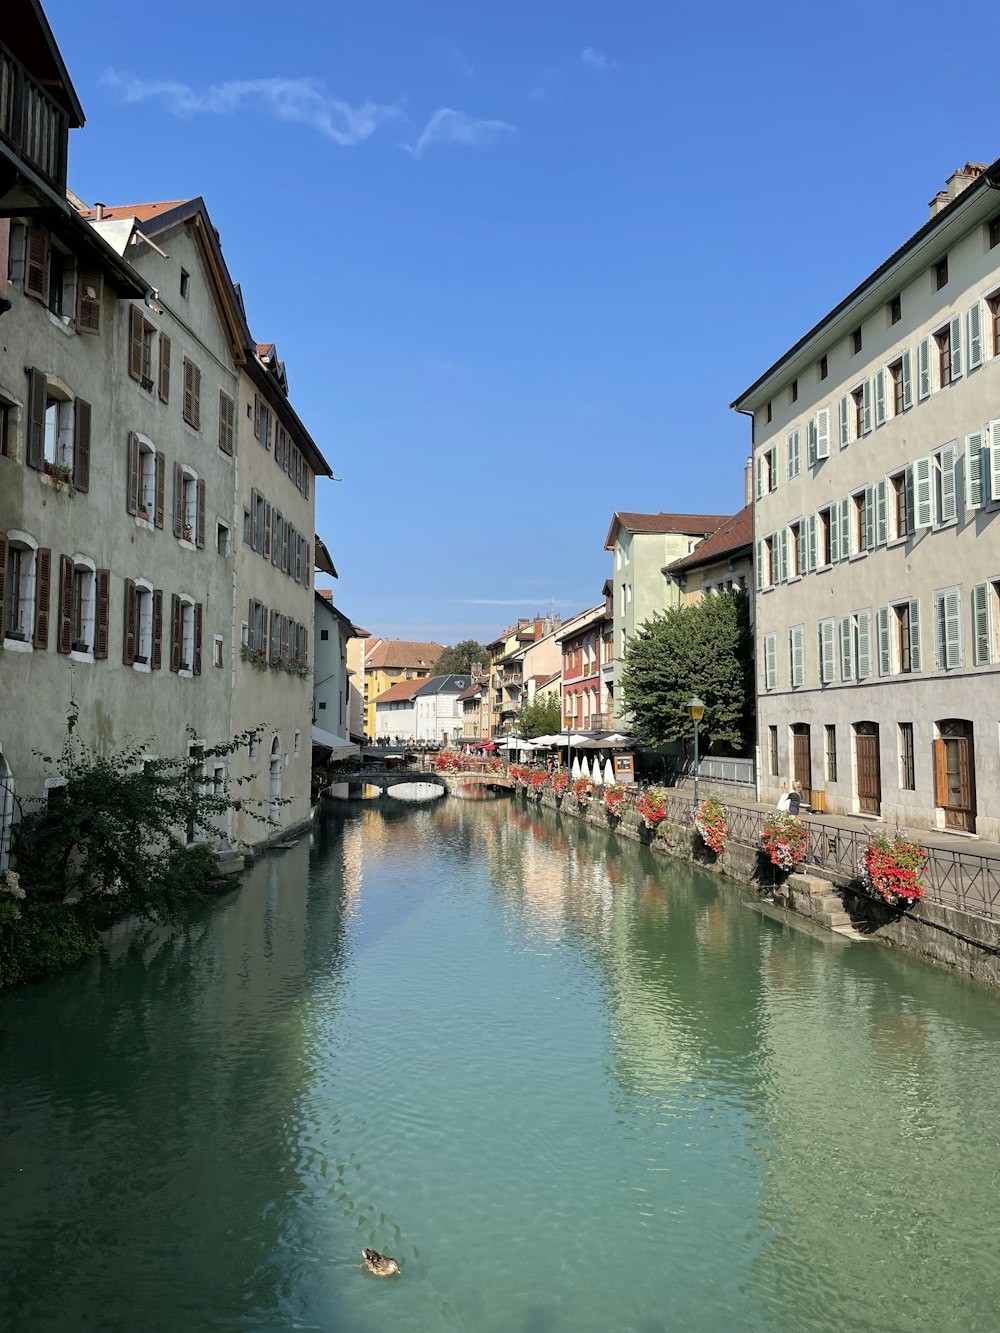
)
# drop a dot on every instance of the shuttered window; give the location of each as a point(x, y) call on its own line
point(192, 394)
point(923, 492)
point(880, 405)
point(884, 637)
point(846, 649)
point(863, 621)
point(164, 368)
point(924, 369)
point(796, 655)
point(227, 422)
point(792, 444)
point(81, 445)
point(974, 461)
point(140, 348)
point(36, 269)
point(844, 416)
point(974, 323)
point(770, 661)
point(993, 446)
point(89, 295)
point(944, 465)
point(983, 599)
point(827, 652)
point(948, 629)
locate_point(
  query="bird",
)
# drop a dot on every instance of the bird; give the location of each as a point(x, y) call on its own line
point(379, 1264)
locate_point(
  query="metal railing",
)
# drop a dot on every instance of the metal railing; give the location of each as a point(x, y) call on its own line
point(31, 123)
point(719, 768)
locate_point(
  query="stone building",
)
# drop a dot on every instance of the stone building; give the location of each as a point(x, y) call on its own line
point(877, 537)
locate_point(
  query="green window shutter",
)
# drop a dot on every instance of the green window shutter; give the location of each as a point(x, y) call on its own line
point(994, 455)
point(974, 470)
point(974, 320)
point(949, 504)
point(880, 398)
point(881, 512)
point(811, 526)
point(782, 574)
point(798, 655)
point(846, 650)
point(864, 644)
point(866, 406)
point(869, 518)
point(834, 527)
point(923, 492)
point(907, 381)
point(793, 454)
point(953, 628)
point(914, 634)
point(823, 433)
point(845, 529)
point(773, 453)
point(884, 642)
point(811, 443)
point(955, 338)
point(924, 369)
point(827, 652)
point(980, 624)
point(845, 419)
point(760, 476)
point(770, 661)
point(911, 506)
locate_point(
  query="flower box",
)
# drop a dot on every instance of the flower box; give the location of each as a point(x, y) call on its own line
point(783, 840)
point(710, 821)
point(892, 869)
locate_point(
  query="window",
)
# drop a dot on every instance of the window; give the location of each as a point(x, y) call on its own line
point(770, 661)
point(827, 652)
point(143, 626)
point(253, 747)
point(993, 232)
point(860, 534)
point(185, 285)
point(217, 650)
point(856, 341)
point(993, 306)
point(297, 744)
point(905, 628)
point(222, 541)
point(896, 380)
point(189, 506)
point(985, 622)
point(82, 610)
point(769, 414)
point(261, 421)
point(944, 364)
point(858, 399)
point(947, 629)
point(856, 646)
point(192, 394)
point(794, 391)
point(7, 419)
point(247, 540)
point(17, 592)
point(824, 367)
point(793, 443)
point(767, 472)
point(140, 354)
point(945, 490)
point(895, 310)
point(826, 521)
point(941, 274)
point(902, 502)
point(796, 549)
point(324, 635)
point(830, 734)
point(772, 751)
point(227, 422)
point(58, 448)
point(185, 638)
point(907, 779)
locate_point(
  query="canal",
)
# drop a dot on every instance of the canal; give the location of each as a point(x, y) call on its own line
point(571, 1087)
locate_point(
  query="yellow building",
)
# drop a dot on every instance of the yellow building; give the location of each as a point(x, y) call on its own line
point(721, 563)
point(388, 661)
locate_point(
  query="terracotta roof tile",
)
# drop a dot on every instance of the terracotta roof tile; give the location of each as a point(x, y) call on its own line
point(404, 689)
point(402, 653)
point(735, 534)
point(693, 525)
point(141, 211)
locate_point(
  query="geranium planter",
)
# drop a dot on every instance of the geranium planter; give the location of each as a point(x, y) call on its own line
point(891, 869)
point(710, 821)
point(783, 840)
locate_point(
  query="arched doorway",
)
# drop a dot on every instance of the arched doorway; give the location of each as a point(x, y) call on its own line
point(955, 773)
point(802, 759)
point(869, 767)
point(274, 782)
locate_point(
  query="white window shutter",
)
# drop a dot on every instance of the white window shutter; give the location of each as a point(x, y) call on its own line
point(907, 381)
point(864, 644)
point(940, 659)
point(774, 467)
point(869, 518)
point(795, 655)
point(782, 576)
point(792, 449)
point(975, 323)
point(880, 397)
point(924, 368)
point(760, 564)
point(760, 476)
point(823, 433)
point(980, 624)
point(923, 493)
point(911, 506)
point(827, 651)
point(770, 661)
point(844, 413)
point(949, 503)
point(866, 406)
point(881, 512)
point(974, 470)
point(914, 634)
point(810, 443)
point(994, 455)
point(834, 527)
point(845, 529)
point(953, 628)
point(884, 642)
point(955, 338)
point(812, 523)
point(846, 650)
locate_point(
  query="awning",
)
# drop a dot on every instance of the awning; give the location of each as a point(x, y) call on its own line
point(612, 742)
point(337, 746)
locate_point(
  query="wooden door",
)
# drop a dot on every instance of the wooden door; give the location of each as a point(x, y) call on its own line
point(802, 761)
point(869, 768)
point(955, 773)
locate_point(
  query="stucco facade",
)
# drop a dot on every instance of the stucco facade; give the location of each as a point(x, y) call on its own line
point(439, 708)
point(877, 535)
point(333, 633)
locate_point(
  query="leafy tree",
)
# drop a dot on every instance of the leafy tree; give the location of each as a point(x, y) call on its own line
point(704, 649)
point(459, 660)
point(543, 717)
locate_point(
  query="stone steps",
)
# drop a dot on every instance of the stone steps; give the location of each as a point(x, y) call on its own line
point(816, 898)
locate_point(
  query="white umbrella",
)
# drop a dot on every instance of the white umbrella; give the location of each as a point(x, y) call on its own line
point(609, 774)
point(576, 766)
point(546, 740)
point(584, 768)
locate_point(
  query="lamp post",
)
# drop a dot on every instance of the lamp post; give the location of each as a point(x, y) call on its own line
point(696, 711)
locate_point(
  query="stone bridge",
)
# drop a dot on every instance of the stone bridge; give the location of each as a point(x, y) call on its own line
point(384, 778)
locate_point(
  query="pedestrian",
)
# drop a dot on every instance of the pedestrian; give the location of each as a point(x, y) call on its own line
point(784, 800)
point(795, 798)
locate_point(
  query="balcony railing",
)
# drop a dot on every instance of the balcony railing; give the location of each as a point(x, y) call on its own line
point(31, 123)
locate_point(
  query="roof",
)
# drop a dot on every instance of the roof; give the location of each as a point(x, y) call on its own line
point(141, 212)
point(473, 691)
point(321, 557)
point(935, 229)
point(401, 653)
point(685, 525)
point(325, 596)
point(400, 692)
point(443, 685)
point(581, 621)
point(734, 537)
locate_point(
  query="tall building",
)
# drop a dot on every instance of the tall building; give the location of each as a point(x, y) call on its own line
point(386, 661)
point(877, 539)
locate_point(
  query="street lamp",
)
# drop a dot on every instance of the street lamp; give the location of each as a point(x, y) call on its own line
point(696, 711)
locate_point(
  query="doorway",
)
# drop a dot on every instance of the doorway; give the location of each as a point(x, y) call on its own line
point(801, 760)
point(955, 774)
point(274, 785)
point(869, 766)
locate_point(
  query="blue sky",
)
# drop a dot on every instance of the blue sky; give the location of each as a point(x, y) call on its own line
point(520, 258)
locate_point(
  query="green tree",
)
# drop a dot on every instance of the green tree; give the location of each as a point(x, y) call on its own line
point(542, 717)
point(459, 660)
point(704, 649)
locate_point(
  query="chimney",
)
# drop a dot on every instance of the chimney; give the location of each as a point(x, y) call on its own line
point(99, 212)
point(538, 627)
point(748, 481)
point(957, 182)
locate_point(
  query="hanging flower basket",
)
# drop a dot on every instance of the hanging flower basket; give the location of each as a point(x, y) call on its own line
point(652, 807)
point(892, 869)
point(783, 840)
point(583, 791)
point(710, 821)
point(560, 781)
point(537, 781)
point(614, 799)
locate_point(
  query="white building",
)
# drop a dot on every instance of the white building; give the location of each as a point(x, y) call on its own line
point(396, 712)
point(877, 534)
point(440, 711)
point(331, 673)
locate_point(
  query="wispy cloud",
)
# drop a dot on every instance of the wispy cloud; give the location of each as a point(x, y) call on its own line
point(299, 100)
point(596, 60)
point(448, 126)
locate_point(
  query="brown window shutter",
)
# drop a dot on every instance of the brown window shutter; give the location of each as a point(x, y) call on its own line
point(267, 441)
point(129, 625)
point(81, 445)
point(3, 581)
point(161, 469)
point(268, 515)
point(164, 368)
point(196, 397)
point(43, 584)
point(157, 655)
point(65, 643)
point(176, 632)
point(89, 291)
point(178, 500)
point(132, 489)
point(200, 535)
point(188, 408)
point(225, 423)
point(35, 451)
point(250, 637)
point(102, 581)
point(308, 566)
point(940, 773)
point(36, 272)
point(196, 665)
point(135, 323)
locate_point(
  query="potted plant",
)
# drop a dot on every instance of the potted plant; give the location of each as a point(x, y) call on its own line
point(142, 510)
point(710, 821)
point(892, 868)
point(783, 840)
point(186, 532)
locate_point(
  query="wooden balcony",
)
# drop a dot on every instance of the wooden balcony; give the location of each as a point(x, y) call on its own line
point(32, 126)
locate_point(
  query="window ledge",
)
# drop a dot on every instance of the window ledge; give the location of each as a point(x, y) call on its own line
point(896, 541)
point(57, 485)
point(187, 544)
point(18, 646)
point(948, 523)
point(795, 578)
point(186, 673)
point(141, 666)
point(61, 322)
point(856, 555)
point(141, 522)
point(81, 657)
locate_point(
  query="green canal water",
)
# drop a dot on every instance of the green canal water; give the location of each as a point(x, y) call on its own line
point(572, 1088)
